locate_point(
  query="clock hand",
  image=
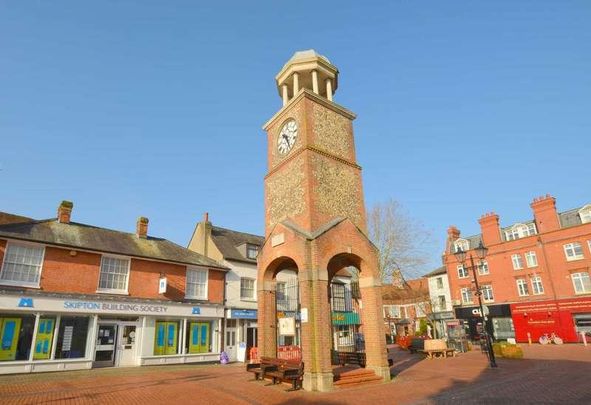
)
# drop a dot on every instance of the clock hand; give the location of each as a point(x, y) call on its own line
point(286, 138)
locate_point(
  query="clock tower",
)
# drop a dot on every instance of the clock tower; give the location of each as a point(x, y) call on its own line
point(315, 222)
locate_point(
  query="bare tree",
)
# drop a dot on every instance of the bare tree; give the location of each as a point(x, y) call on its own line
point(401, 240)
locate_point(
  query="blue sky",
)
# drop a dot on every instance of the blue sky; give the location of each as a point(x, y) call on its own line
point(149, 108)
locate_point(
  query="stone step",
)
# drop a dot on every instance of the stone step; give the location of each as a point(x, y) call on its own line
point(356, 378)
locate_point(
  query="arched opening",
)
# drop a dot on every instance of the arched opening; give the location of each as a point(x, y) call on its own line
point(283, 272)
point(345, 306)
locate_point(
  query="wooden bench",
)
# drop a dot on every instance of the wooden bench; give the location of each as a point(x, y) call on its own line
point(290, 371)
point(352, 358)
point(437, 348)
point(259, 368)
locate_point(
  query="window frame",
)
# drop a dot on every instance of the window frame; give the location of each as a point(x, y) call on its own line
point(244, 298)
point(571, 246)
point(439, 282)
point(483, 264)
point(249, 248)
point(524, 285)
point(531, 254)
point(537, 280)
point(196, 269)
point(461, 243)
point(469, 294)
point(488, 288)
point(114, 290)
point(520, 261)
point(464, 270)
point(580, 274)
point(10, 243)
point(585, 214)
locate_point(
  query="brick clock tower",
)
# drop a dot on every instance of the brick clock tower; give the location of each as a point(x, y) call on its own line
point(315, 220)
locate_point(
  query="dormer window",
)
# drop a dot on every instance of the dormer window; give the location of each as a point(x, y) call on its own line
point(520, 231)
point(585, 214)
point(252, 251)
point(461, 244)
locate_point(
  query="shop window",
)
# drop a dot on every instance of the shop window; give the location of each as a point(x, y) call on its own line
point(16, 336)
point(114, 275)
point(22, 265)
point(44, 338)
point(72, 337)
point(166, 338)
point(198, 337)
point(247, 288)
point(196, 284)
point(338, 297)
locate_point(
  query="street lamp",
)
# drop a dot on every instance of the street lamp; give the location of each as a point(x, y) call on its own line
point(481, 252)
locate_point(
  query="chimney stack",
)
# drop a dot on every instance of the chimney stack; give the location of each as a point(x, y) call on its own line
point(545, 214)
point(453, 233)
point(141, 228)
point(206, 234)
point(490, 229)
point(64, 212)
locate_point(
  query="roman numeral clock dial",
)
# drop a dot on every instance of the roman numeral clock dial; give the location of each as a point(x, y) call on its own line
point(287, 137)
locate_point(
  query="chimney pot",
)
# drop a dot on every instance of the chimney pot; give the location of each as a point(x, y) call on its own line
point(206, 217)
point(141, 229)
point(64, 212)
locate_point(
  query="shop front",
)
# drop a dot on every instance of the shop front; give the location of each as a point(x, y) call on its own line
point(566, 318)
point(52, 333)
point(241, 333)
point(438, 319)
point(499, 323)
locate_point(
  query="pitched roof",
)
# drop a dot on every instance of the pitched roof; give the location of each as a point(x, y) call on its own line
point(436, 272)
point(413, 291)
point(82, 236)
point(7, 218)
point(227, 241)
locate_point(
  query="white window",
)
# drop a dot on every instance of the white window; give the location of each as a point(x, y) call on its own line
point(581, 282)
point(392, 310)
point(531, 259)
point(252, 251)
point(585, 214)
point(466, 295)
point(520, 231)
point(536, 285)
point(487, 293)
point(462, 271)
point(439, 281)
point(247, 288)
point(196, 284)
point(522, 287)
point(419, 310)
point(22, 265)
point(461, 244)
point(573, 251)
point(114, 274)
point(517, 262)
point(483, 268)
point(441, 302)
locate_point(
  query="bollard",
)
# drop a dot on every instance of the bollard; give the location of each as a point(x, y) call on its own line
point(529, 338)
point(584, 338)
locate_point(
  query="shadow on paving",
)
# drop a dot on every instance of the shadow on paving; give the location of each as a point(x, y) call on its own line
point(524, 381)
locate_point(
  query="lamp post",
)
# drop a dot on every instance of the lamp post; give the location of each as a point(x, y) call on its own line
point(481, 252)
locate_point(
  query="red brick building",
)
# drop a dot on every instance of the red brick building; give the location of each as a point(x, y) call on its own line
point(535, 278)
point(76, 296)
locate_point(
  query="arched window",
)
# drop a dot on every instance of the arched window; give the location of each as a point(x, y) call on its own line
point(461, 244)
point(585, 214)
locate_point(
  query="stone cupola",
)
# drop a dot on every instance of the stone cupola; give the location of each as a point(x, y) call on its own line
point(307, 70)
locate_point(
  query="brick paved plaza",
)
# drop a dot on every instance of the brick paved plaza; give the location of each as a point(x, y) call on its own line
point(553, 374)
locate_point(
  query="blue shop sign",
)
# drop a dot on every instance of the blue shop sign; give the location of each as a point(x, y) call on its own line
point(243, 313)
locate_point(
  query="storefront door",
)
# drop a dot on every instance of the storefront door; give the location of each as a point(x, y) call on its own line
point(106, 345)
point(126, 355)
point(230, 347)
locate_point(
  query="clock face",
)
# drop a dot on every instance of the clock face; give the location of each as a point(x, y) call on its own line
point(287, 137)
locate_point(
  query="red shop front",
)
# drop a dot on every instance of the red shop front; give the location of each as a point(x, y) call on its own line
point(555, 316)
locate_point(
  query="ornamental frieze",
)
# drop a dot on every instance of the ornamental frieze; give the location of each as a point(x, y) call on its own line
point(332, 132)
